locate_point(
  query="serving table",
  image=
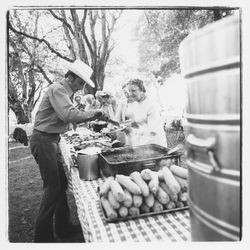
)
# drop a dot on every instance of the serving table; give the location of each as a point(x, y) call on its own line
point(173, 226)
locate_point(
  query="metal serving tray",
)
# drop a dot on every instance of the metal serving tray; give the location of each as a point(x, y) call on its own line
point(119, 219)
point(125, 160)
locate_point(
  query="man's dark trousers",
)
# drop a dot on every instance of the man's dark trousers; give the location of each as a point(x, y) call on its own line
point(45, 149)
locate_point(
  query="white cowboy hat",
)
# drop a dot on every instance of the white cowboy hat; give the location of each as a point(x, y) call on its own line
point(82, 70)
point(103, 93)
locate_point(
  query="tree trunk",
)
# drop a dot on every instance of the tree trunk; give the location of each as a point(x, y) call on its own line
point(88, 43)
point(21, 117)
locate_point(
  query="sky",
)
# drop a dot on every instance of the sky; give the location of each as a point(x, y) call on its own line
point(125, 46)
point(126, 50)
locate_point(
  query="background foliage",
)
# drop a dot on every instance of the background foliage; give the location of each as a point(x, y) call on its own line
point(40, 41)
point(161, 32)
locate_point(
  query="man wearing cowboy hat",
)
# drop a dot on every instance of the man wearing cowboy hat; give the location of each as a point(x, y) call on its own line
point(53, 117)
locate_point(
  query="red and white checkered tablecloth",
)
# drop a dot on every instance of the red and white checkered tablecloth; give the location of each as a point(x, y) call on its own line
point(165, 227)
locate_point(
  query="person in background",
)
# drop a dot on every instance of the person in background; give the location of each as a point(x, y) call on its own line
point(79, 105)
point(147, 117)
point(53, 118)
point(107, 103)
point(126, 105)
point(91, 102)
point(113, 102)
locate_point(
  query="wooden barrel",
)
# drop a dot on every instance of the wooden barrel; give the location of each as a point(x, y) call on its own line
point(210, 64)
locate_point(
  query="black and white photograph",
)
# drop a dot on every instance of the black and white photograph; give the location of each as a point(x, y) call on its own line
point(124, 123)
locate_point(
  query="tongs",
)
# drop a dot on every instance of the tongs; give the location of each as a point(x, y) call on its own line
point(132, 124)
point(175, 149)
point(110, 121)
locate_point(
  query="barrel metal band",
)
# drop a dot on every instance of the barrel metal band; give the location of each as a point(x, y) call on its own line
point(229, 63)
point(215, 119)
point(215, 223)
point(205, 170)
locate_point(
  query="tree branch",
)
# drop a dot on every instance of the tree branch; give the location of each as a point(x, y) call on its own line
point(78, 37)
point(20, 69)
point(39, 95)
point(146, 17)
point(41, 41)
point(12, 92)
point(52, 30)
point(92, 22)
point(44, 74)
point(71, 44)
point(107, 55)
point(63, 20)
point(84, 33)
point(106, 37)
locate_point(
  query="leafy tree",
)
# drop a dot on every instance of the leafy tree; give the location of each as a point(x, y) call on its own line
point(160, 33)
point(40, 40)
point(26, 74)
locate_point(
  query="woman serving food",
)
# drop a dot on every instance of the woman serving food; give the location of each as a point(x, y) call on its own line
point(147, 124)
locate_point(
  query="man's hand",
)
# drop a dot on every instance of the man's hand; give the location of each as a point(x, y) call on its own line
point(100, 114)
point(130, 127)
point(92, 115)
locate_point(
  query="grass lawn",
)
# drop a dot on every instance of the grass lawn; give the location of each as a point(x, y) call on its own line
point(25, 192)
point(16, 153)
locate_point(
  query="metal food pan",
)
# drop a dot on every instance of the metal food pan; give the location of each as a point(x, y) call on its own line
point(125, 160)
point(119, 219)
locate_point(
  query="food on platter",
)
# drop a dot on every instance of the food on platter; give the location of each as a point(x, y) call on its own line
point(85, 138)
point(134, 196)
point(113, 128)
